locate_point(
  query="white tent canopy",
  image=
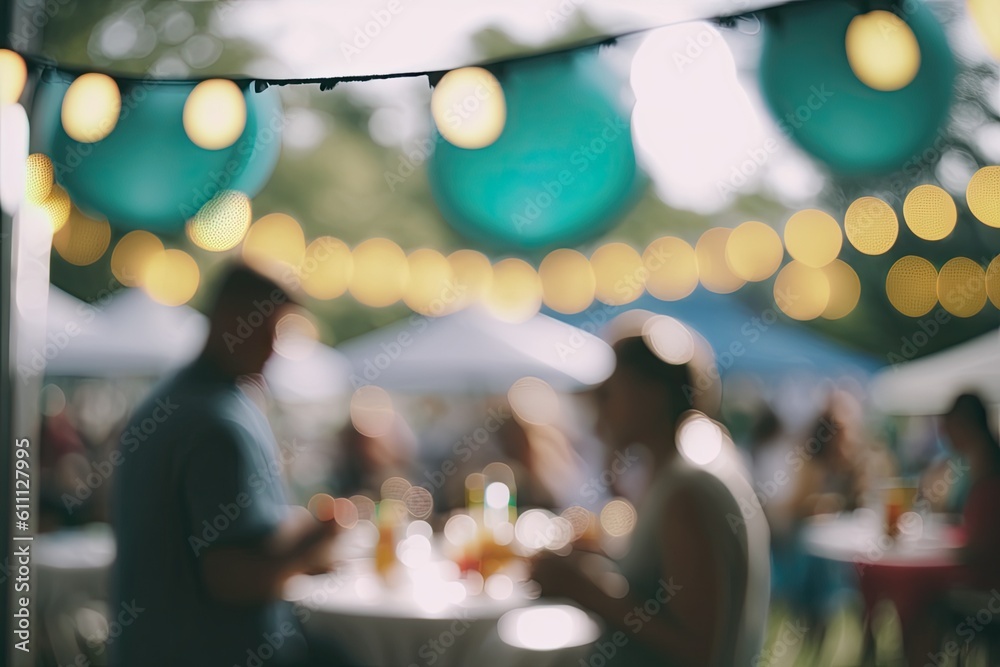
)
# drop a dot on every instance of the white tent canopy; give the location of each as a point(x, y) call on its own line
point(129, 334)
point(471, 351)
point(929, 385)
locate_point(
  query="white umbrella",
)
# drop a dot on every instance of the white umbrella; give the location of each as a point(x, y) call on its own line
point(472, 351)
point(132, 335)
point(927, 386)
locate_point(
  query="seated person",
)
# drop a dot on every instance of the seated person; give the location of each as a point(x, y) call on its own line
point(693, 550)
point(968, 430)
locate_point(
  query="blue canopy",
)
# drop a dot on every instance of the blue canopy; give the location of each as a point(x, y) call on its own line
point(763, 342)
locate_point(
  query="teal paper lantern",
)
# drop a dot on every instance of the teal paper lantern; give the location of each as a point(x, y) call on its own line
point(820, 103)
point(562, 170)
point(147, 173)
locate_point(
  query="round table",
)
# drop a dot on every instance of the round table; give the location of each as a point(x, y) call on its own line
point(73, 564)
point(913, 571)
point(427, 619)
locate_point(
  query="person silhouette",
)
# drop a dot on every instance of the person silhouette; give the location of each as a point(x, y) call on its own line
point(697, 568)
point(206, 539)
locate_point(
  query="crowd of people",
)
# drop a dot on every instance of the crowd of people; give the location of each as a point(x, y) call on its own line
point(217, 454)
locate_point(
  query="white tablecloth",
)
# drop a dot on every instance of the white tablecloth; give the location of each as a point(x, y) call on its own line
point(407, 627)
point(859, 538)
point(73, 565)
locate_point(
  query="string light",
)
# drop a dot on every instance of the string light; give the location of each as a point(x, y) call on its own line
point(327, 267)
point(380, 273)
point(713, 269)
point(39, 178)
point(813, 238)
point(13, 76)
point(215, 114)
point(882, 50)
point(930, 212)
point(82, 240)
point(515, 293)
point(619, 275)
point(91, 107)
point(430, 289)
point(274, 241)
point(993, 281)
point(871, 225)
point(468, 107)
point(171, 277)
point(911, 286)
point(754, 251)
point(473, 275)
point(801, 291)
point(568, 281)
point(961, 287)
point(222, 222)
point(845, 289)
point(983, 195)
point(673, 268)
point(131, 256)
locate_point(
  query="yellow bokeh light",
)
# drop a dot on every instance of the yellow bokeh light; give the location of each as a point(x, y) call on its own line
point(983, 194)
point(326, 268)
point(55, 208)
point(131, 256)
point(986, 14)
point(274, 241)
point(961, 287)
point(515, 294)
point(845, 289)
point(930, 212)
point(431, 287)
point(713, 269)
point(215, 114)
point(82, 240)
point(619, 274)
point(568, 281)
point(469, 108)
point(882, 50)
point(813, 238)
point(871, 225)
point(13, 76)
point(39, 178)
point(380, 273)
point(673, 268)
point(801, 291)
point(911, 286)
point(222, 222)
point(473, 275)
point(171, 277)
point(754, 251)
point(91, 107)
point(993, 281)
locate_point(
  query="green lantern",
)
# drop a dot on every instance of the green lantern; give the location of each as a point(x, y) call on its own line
point(820, 102)
point(148, 173)
point(562, 170)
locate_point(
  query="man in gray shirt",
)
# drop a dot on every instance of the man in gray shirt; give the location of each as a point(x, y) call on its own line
point(205, 537)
